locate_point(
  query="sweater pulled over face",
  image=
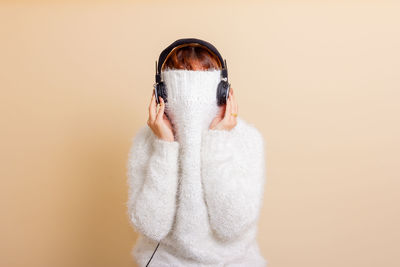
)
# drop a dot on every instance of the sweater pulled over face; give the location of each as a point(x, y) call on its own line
point(200, 195)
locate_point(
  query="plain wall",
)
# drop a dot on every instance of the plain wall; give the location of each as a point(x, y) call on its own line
point(320, 80)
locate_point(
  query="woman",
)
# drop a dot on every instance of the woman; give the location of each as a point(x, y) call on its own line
point(196, 172)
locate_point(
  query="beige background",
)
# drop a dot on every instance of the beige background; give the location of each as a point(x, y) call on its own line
point(320, 80)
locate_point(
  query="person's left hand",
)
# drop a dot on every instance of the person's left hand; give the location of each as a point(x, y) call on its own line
point(225, 120)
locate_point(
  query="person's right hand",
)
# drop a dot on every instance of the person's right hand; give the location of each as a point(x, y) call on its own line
point(159, 122)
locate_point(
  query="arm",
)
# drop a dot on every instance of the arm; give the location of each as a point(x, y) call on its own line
point(153, 179)
point(233, 175)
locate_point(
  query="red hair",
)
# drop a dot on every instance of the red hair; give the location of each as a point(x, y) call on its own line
point(191, 57)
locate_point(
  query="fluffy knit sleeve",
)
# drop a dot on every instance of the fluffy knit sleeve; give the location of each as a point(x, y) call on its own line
point(153, 179)
point(233, 176)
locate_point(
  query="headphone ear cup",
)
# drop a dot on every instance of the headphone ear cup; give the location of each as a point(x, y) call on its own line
point(162, 91)
point(222, 93)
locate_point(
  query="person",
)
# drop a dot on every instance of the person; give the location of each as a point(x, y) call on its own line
point(196, 172)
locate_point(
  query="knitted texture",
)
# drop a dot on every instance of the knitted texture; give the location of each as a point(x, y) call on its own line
point(201, 194)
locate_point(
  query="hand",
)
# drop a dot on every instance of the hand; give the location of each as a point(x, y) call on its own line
point(159, 122)
point(225, 120)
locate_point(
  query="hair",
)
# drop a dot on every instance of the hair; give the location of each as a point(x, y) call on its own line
point(190, 56)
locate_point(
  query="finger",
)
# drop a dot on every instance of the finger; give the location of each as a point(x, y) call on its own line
point(228, 107)
point(232, 105)
point(214, 122)
point(152, 107)
point(166, 120)
point(235, 105)
point(221, 111)
point(161, 109)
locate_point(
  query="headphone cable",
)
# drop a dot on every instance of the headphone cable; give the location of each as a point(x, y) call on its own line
point(152, 254)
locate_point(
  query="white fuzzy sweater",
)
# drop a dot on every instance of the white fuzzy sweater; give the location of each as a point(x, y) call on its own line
point(206, 213)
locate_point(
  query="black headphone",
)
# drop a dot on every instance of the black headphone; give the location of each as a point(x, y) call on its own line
point(159, 86)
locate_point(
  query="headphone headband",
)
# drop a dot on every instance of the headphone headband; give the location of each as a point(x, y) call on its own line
point(185, 42)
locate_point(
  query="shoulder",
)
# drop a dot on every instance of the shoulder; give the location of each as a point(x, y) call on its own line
point(142, 134)
point(142, 139)
point(250, 145)
point(249, 132)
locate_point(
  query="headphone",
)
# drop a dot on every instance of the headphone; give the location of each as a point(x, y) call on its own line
point(223, 86)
